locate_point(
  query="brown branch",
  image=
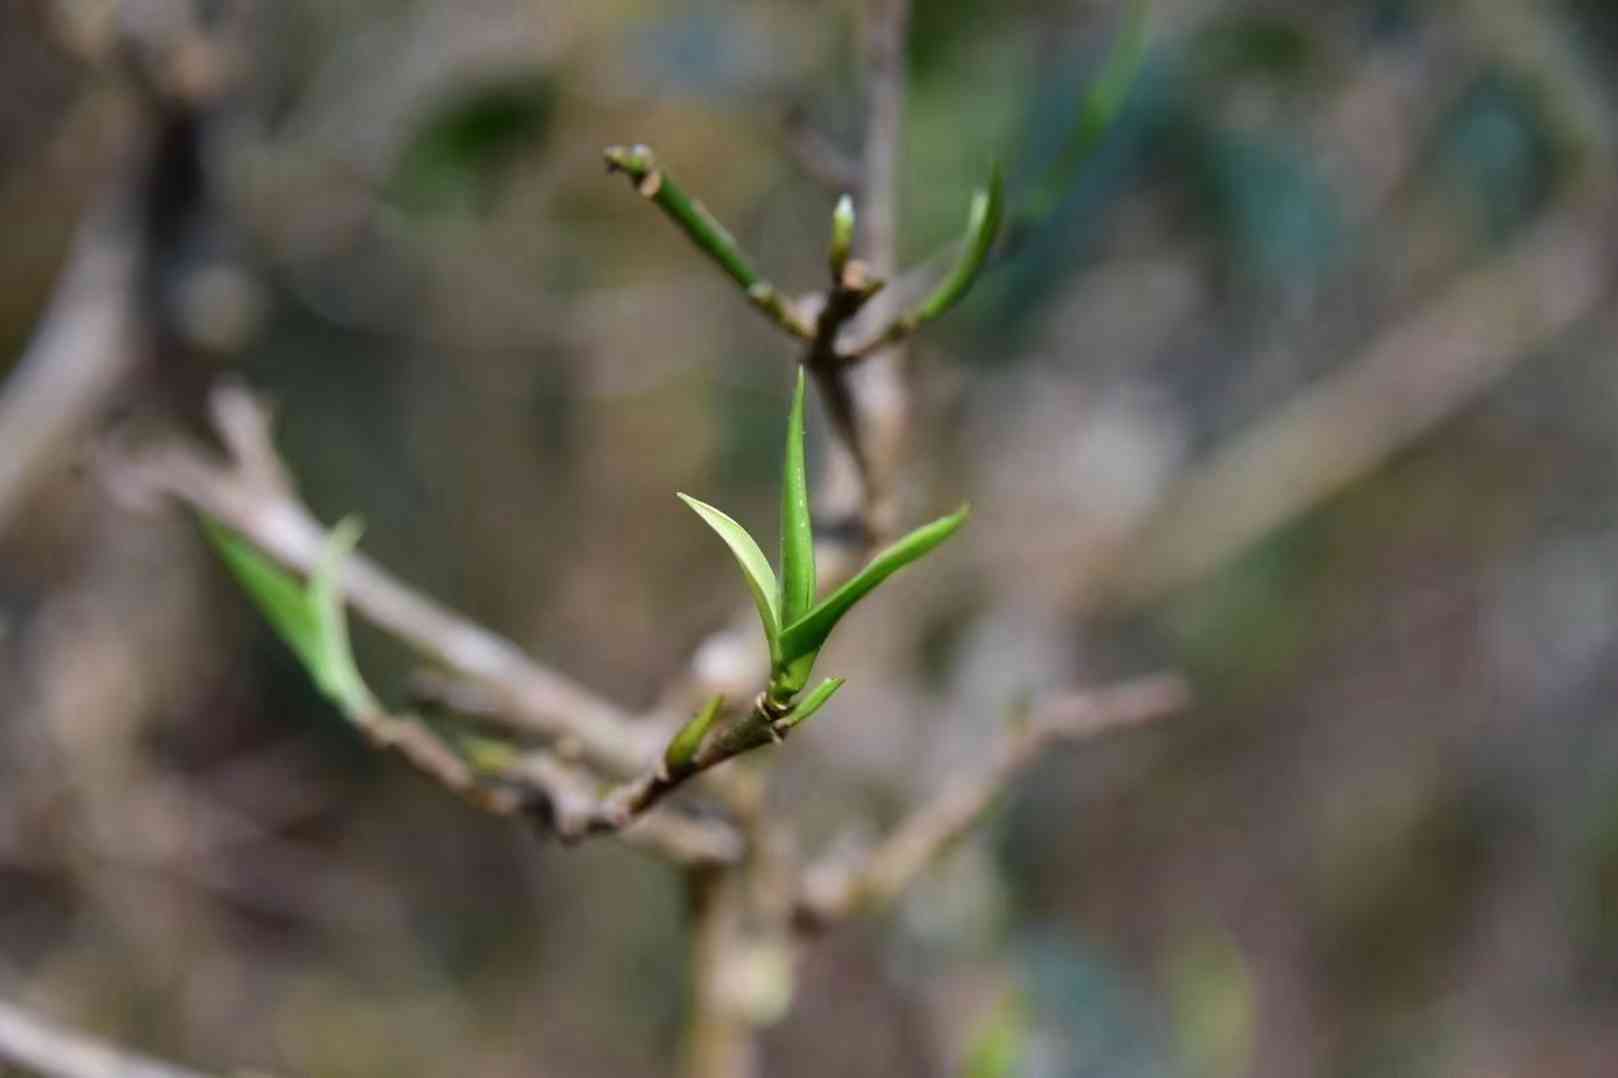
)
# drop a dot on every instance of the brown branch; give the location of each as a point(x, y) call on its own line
point(48, 1049)
point(580, 814)
point(101, 318)
point(251, 494)
point(886, 26)
point(870, 403)
point(83, 351)
point(577, 812)
point(835, 889)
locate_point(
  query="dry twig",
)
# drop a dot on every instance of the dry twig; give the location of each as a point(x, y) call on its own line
point(251, 494)
point(836, 889)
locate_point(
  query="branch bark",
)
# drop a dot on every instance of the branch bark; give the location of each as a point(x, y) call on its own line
point(251, 494)
point(84, 350)
point(49, 1049)
point(836, 889)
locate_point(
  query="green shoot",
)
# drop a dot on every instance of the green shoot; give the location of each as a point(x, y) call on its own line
point(794, 625)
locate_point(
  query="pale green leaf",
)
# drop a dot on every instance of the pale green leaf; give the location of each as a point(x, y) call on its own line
point(982, 227)
point(812, 703)
point(1100, 106)
point(797, 532)
point(755, 567)
point(806, 635)
point(278, 594)
point(308, 618)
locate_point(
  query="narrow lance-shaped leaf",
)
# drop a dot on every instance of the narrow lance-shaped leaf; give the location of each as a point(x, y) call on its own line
point(811, 703)
point(308, 618)
point(807, 634)
point(277, 593)
point(337, 672)
point(1100, 106)
point(982, 226)
point(797, 532)
point(755, 567)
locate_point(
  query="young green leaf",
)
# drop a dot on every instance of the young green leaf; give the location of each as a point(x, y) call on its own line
point(755, 567)
point(278, 594)
point(683, 746)
point(811, 703)
point(1099, 108)
point(337, 674)
point(797, 534)
point(806, 635)
point(982, 226)
point(308, 618)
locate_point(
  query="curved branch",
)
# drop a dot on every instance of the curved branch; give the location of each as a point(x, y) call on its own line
point(835, 889)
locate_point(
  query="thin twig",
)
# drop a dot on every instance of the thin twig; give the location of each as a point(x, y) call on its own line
point(887, 25)
point(577, 812)
point(250, 495)
point(49, 1049)
point(712, 238)
point(836, 889)
point(83, 351)
point(861, 468)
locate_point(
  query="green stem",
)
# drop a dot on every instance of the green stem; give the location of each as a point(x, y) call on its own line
point(704, 230)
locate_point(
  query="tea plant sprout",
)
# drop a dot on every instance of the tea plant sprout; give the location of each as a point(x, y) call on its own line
point(795, 626)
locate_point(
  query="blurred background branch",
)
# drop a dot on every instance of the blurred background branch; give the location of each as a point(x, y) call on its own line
point(54, 1052)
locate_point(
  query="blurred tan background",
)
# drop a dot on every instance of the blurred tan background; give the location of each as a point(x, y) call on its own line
point(1305, 389)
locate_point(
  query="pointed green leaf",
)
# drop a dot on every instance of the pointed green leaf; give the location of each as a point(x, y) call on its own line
point(797, 533)
point(308, 618)
point(982, 226)
point(337, 673)
point(811, 703)
point(1100, 106)
point(755, 567)
point(683, 746)
point(277, 593)
point(806, 635)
